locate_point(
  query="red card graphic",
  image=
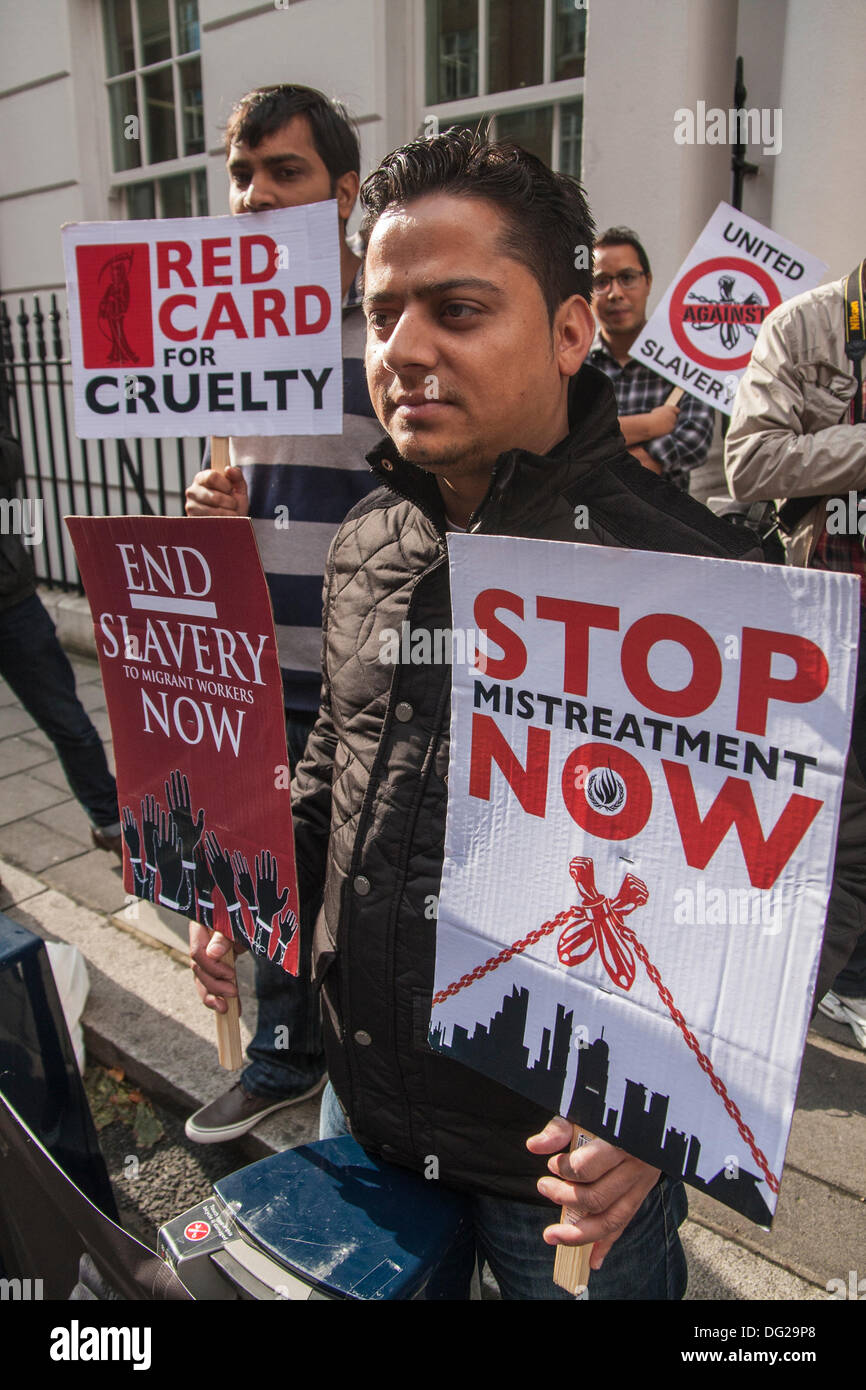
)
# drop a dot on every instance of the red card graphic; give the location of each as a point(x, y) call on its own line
point(114, 288)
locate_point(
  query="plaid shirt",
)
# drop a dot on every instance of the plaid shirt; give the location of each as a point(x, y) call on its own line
point(639, 390)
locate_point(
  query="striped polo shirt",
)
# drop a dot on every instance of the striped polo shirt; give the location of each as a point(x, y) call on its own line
point(319, 478)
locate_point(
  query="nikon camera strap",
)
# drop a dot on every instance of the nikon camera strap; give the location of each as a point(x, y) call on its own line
point(855, 335)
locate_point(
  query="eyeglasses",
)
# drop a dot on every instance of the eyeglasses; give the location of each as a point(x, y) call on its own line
point(627, 279)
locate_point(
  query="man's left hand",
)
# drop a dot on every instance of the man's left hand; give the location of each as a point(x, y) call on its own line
point(603, 1185)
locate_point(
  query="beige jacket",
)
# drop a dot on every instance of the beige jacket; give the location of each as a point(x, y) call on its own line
point(789, 435)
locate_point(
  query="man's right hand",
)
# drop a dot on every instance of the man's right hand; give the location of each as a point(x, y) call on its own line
point(213, 964)
point(218, 494)
point(662, 420)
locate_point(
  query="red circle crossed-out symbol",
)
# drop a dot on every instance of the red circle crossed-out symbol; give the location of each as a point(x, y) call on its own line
point(197, 1230)
point(732, 264)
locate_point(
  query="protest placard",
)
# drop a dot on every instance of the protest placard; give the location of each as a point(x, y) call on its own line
point(186, 646)
point(702, 333)
point(206, 325)
point(643, 797)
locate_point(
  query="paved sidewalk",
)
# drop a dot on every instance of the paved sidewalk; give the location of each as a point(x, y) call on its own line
point(143, 1013)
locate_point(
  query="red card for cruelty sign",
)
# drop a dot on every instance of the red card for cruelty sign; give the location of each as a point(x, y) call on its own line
point(185, 638)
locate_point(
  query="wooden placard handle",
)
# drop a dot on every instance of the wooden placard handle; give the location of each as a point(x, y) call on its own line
point(675, 396)
point(571, 1265)
point(219, 453)
point(228, 1029)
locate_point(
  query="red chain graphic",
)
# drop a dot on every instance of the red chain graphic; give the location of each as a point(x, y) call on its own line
point(598, 924)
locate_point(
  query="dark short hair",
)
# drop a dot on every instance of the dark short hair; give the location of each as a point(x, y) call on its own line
point(267, 109)
point(624, 236)
point(547, 214)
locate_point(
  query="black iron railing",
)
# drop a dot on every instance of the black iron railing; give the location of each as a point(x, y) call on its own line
point(84, 477)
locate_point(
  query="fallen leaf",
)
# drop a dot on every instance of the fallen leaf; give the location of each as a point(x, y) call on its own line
point(146, 1127)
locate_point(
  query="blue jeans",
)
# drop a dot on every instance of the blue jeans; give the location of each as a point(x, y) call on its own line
point(286, 1001)
point(38, 670)
point(647, 1262)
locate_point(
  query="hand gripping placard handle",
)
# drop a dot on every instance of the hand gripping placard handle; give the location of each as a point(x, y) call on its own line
point(571, 1265)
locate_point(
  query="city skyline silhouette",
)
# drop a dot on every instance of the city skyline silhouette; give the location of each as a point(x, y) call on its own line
point(498, 1049)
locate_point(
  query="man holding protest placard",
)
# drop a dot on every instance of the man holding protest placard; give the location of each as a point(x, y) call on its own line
point(289, 146)
point(478, 328)
point(668, 439)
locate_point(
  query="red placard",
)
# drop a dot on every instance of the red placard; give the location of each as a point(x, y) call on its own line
point(185, 638)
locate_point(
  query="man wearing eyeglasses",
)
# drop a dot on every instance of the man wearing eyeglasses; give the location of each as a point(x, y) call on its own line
point(668, 439)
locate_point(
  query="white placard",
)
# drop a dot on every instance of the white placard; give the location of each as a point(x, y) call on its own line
point(206, 325)
point(643, 796)
point(702, 333)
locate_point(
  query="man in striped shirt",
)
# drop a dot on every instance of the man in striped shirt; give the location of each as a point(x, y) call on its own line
point(287, 146)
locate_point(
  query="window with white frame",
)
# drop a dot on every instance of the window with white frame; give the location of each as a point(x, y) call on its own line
point(518, 64)
point(155, 106)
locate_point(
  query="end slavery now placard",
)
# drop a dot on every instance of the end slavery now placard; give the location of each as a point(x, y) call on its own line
point(206, 325)
point(185, 639)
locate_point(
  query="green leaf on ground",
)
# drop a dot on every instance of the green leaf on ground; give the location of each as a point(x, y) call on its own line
point(146, 1126)
point(111, 1098)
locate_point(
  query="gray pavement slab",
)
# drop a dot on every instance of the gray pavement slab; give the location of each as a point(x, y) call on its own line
point(40, 739)
point(816, 1230)
point(86, 669)
point(18, 754)
point(91, 695)
point(94, 879)
point(32, 846)
point(99, 719)
point(17, 886)
point(719, 1270)
point(51, 772)
point(24, 795)
point(828, 1134)
point(69, 819)
point(14, 719)
point(157, 924)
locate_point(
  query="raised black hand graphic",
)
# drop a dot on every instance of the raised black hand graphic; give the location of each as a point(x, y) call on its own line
point(180, 809)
